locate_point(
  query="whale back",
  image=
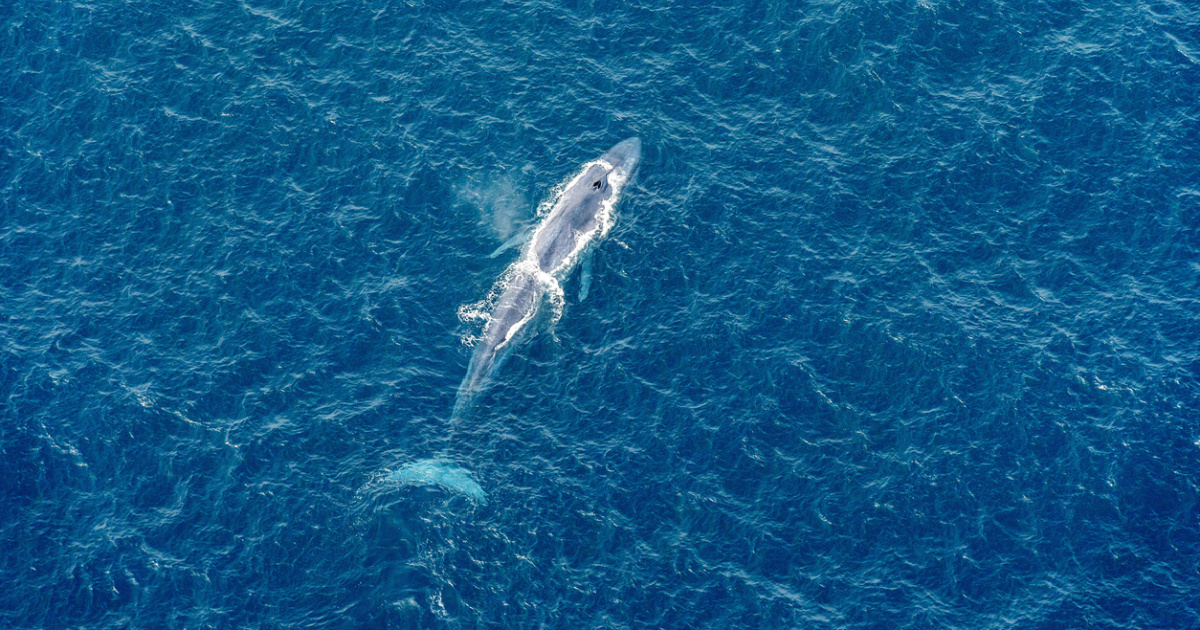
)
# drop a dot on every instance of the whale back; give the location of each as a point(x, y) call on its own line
point(572, 220)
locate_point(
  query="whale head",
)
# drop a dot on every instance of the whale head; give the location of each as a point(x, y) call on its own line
point(624, 157)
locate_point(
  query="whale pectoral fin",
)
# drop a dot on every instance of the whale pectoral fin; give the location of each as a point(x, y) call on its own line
point(585, 275)
point(515, 241)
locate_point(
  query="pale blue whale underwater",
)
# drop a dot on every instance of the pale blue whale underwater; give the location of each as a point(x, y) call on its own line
point(436, 472)
point(581, 215)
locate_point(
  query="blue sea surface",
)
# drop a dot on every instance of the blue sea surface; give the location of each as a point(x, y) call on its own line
point(897, 327)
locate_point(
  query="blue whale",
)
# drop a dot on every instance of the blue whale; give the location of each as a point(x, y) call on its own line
point(581, 215)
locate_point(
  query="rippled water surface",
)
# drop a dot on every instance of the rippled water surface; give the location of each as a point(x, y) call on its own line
point(896, 328)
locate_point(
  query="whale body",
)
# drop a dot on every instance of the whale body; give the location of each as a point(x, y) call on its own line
point(580, 215)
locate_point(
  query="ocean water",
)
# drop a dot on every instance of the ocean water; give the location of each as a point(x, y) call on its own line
point(897, 327)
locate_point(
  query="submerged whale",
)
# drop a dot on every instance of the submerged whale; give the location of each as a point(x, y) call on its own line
point(437, 472)
point(580, 215)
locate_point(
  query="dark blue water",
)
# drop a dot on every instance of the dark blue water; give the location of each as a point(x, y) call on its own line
point(897, 327)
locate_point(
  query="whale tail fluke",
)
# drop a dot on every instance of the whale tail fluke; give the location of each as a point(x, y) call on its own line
point(443, 474)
